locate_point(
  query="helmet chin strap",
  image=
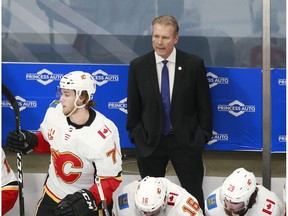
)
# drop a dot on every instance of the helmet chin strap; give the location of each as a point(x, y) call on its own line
point(71, 112)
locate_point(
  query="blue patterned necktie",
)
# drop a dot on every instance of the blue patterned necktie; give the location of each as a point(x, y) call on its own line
point(165, 93)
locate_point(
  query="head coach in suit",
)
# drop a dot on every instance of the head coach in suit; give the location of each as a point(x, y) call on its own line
point(172, 120)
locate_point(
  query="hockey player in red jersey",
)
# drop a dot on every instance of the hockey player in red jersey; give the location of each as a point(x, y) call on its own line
point(83, 143)
point(9, 186)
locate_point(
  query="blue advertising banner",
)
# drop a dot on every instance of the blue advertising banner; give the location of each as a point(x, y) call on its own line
point(236, 99)
point(278, 88)
point(237, 108)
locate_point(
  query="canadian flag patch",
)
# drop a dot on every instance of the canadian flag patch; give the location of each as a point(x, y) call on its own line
point(104, 132)
point(172, 197)
point(268, 207)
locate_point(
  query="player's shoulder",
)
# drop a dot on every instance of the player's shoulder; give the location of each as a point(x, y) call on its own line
point(177, 195)
point(3, 154)
point(54, 109)
point(264, 194)
point(124, 196)
point(54, 104)
point(103, 120)
point(128, 187)
point(172, 187)
point(213, 201)
point(267, 203)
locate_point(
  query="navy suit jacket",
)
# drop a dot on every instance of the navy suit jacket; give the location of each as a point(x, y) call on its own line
point(191, 107)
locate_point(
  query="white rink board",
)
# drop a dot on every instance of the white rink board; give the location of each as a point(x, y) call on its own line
point(33, 185)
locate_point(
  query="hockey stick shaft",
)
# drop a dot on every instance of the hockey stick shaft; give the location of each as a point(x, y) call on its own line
point(10, 97)
point(100, 190)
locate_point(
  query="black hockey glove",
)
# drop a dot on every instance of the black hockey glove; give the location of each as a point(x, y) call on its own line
point(81, 203)
point(24, 141)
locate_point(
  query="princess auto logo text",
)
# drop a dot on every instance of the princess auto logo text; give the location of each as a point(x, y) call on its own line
point(214, 80)
point(236, 108)
point(43, 76)
point(102, 77)
point(22, 103)
point(218, 137)
point(121, 105)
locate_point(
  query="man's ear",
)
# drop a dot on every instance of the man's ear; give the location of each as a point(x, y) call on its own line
point(176, 38)
point(81, 99)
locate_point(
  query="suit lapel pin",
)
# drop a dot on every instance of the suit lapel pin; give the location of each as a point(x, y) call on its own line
point(179, 68)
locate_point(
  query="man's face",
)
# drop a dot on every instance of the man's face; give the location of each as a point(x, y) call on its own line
point(67, 100)
point(163, 39)
point(234, 208)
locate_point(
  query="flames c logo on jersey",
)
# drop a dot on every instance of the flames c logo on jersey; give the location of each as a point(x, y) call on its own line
point(62, 159)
